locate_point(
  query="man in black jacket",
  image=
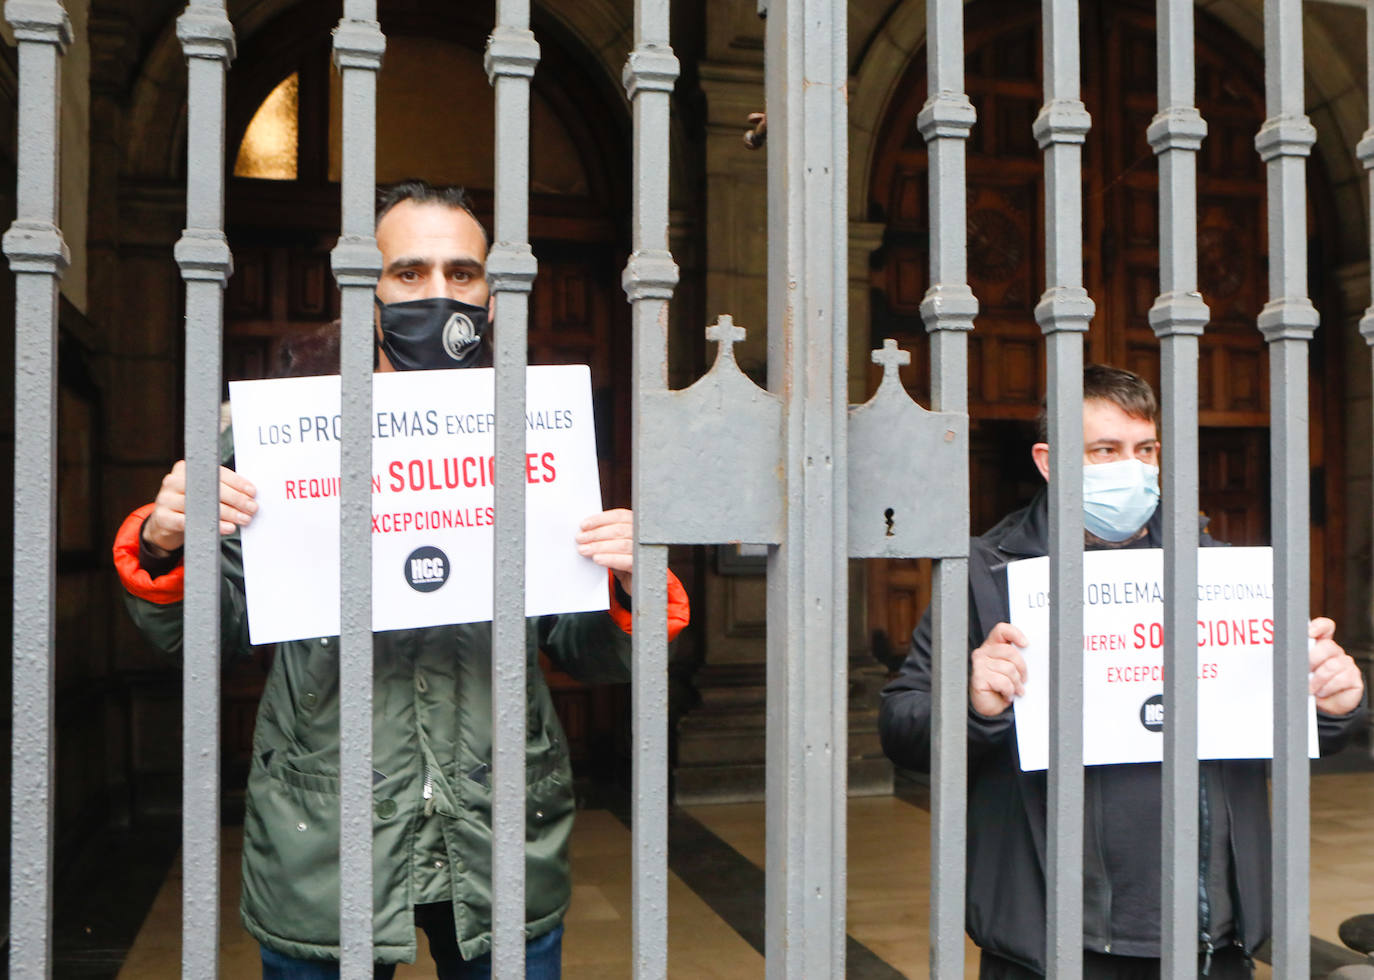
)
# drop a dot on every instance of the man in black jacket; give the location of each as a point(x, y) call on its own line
point(1005, 895)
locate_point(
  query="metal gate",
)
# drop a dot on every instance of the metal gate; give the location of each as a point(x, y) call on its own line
point(813, 477)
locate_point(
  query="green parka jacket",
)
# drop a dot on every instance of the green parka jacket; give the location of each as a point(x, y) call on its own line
point(431, 752)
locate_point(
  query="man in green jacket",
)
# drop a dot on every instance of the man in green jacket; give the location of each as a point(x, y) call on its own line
point(432, 705)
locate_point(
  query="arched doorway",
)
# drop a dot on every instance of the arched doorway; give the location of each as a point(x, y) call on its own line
point(435, 120)
point(1120, 188)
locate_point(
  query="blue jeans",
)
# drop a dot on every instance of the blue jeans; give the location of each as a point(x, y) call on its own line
point(543, 956)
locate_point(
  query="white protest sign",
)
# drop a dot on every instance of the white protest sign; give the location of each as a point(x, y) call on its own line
point(1123, 640)
point(432, 499)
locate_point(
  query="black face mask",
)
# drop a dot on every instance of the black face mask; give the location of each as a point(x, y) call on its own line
point(426, 334)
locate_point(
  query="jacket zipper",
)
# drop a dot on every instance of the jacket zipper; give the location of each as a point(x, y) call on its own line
point(428, 793)
point(1106, 878)
point(1204, 907)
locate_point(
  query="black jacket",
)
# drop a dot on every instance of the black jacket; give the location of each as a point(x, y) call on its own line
point(1005, 886)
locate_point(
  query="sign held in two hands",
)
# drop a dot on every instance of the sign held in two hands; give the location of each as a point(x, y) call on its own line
point(1123, 651)
point(432, 499)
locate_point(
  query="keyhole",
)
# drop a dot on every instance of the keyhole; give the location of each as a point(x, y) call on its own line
point(887, 516)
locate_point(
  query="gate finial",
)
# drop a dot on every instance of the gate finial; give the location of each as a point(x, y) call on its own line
point(726, 334)
point(891, 357)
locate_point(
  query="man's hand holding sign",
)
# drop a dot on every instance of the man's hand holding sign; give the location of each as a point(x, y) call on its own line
point(1336, 681)
point(998, 674)
point(165, 528)
point(608, 539)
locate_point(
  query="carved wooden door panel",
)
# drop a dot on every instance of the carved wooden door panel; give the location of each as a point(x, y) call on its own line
point(1005, 259)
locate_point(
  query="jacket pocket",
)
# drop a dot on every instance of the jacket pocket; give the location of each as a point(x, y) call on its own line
point(291, 855)
point(308, 781)
point(549, 815)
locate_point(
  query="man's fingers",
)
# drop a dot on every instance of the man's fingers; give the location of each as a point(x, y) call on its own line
point(1018, 664)
point(174, 482)
point(1322, 650)
point(615, 562)
point(606, 532)
point(1340, 694)
point(1006, 633)
point(1014, 672)
point(1003, 652)
point(615, 516)
point(235, 481)
point(166, 526)
point(170, 500)
point(997, 685)
point(1333, 675)
point(235, 505)
point(597, 549)
point(233, 516)
point(607, 538)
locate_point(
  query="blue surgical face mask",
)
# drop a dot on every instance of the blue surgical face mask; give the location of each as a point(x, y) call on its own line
point(1118, 498)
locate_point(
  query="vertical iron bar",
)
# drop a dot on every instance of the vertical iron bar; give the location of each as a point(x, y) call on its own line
point(1063, 314)
point(512, 54)
point(1288, 322)
point(948, 310)
point(807, 716)
point(358, 49)
point(1365, 151)
point(37, 256)
point(1178, 317)
point(207, 39)
point(649, 279)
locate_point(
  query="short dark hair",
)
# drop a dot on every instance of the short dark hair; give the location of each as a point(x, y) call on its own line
point(1126, 390)
point(423, 192)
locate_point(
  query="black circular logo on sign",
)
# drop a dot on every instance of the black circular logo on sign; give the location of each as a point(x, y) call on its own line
point(426, 569)
point(1152, 713)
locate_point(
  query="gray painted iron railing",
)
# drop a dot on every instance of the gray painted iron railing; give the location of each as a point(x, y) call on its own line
point(37, 256)
point(1365, 151)
point(1063, 314)
point(512, 54)
point(805, 74)
point(358, 50)
point(839, 486)
point(1178, 317)
point(207, 39)
point(1288, 322)
point(649, 279)
point(948, 311)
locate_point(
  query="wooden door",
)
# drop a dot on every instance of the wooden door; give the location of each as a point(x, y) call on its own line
point(1121, 232)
